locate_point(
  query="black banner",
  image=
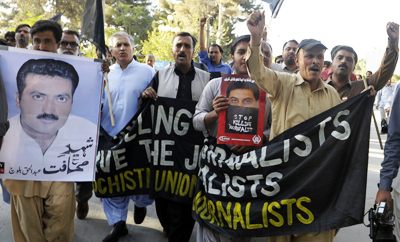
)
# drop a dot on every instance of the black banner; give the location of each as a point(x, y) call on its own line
point(310, 178)
point(157, 153)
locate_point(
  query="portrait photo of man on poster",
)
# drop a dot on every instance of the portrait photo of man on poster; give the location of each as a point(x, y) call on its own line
point(46, 141)
point(242, 112)
point(242, 122)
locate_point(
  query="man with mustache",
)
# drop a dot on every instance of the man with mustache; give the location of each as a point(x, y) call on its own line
point(69, 43)
point(344, 60)
point(214, 59)
point(294, 97)
point(43, 210)
point(182, 81)
point(288, 54)
point(22, 35)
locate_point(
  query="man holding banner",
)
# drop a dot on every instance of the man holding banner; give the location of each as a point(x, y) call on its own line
point(127, 79)
point(183, 81)
point(294, 97)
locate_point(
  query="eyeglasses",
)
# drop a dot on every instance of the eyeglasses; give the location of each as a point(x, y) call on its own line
point(73, 44)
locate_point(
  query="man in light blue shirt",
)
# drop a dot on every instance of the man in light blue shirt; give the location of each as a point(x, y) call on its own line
point(214, 62)
point(384, 99)
point(127, 79)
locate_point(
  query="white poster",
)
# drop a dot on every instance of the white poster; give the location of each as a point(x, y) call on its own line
point(53, 109)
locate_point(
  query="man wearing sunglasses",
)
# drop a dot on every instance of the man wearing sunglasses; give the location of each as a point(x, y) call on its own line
point(69, 43)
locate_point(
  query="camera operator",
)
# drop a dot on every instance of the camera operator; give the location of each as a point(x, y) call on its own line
point(390, 164)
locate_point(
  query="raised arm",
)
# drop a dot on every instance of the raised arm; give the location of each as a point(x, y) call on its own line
point(201, 34)
point(389, 61)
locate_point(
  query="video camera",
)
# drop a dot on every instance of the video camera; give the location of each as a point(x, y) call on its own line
point(381, 223)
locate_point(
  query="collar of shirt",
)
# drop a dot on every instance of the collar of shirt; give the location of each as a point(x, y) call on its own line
point(220, 64)
point(330, 82)
point(179, 73)
point(300, 81)
point(284, 67)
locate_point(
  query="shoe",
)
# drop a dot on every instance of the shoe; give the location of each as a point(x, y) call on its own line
point(139, 215)
point(82, 210)
point(117, 232)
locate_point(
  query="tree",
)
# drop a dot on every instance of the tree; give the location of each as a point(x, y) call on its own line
point(187, 14)
point(131, 16)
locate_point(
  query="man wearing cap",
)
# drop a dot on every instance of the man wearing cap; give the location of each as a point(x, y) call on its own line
point(344, 60)
point(294, 97)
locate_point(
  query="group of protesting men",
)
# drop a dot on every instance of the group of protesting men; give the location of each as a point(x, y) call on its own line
point(44, 210)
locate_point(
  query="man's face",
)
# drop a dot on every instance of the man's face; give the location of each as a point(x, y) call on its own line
point(239, 58)
point(310, 63)
point(267, 57)
point(182, 50)
point(150, 61)
point(45, 103)
point(289, 53)
point(215, 54)
point(369, 74)
point(10, 41)
point(243, 98)
point(69, 45)
point(45, 41)
point(343, 64)
point(23, 36)
point(122, 49)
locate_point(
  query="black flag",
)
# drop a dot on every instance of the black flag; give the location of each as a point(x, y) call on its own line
point(57, 17)
point(93, 24)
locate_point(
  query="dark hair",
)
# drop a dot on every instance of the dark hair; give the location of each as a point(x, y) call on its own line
point(369, 72)
point(327, 63)
point(183, 34)
point(72, 32)
point(279, 56)
point(336, 49)
point(292, 41)
point(216, 45)
point(46, 67)
point(243, 38)
point(22, 25)
point(244, 85)
point(3, 42)
point(47, 25)
point(10, 34)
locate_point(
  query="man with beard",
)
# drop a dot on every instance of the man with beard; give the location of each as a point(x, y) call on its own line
point(22, 35)
point(214, 60)
point(69, 43)
point(344, 60)
point(182, 81)
point(288, 53)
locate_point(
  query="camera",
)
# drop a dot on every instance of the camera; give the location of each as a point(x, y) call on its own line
point(381, 223)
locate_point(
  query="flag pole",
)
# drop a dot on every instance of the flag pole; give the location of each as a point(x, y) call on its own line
point(109, 99)
point(376, 125)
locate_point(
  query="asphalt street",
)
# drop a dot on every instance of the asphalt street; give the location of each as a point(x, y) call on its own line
point(95, 226)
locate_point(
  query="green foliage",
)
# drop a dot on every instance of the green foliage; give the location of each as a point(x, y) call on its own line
point(130, 16)
point(187, 14)
point(395, 78)
point(159, 44)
